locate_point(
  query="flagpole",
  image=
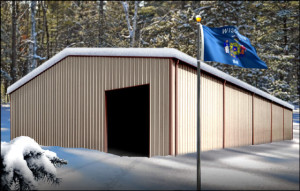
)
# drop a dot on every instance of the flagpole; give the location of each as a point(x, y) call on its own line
point(198, 19)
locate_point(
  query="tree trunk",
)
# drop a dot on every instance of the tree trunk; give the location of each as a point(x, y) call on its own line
point(134, 23)
point(43, 33)
point(14, 40)
point(56, 34)
point(46, 28)
point(38, 37)
point(5, 89)
point(33, 43)
point(182, 5)
point(286, 52)
point(131, 29)
point(33, 37)
point(26, 68)
point(101, 24)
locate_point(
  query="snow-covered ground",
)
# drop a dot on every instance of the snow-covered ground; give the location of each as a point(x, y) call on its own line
point(22, 155)
point(272, 166)
point(5, 122)
point(296, 118)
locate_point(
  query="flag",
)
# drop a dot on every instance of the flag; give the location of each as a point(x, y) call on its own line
point(226, 45)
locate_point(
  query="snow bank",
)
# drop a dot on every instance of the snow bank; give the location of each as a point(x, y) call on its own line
point(5, 123)
point(272, 166)
point(20, 156)
point(5, 105)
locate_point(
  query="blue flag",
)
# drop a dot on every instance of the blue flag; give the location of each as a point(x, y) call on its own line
point(226, 45)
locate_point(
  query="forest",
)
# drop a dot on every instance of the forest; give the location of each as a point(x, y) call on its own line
point(34, 31)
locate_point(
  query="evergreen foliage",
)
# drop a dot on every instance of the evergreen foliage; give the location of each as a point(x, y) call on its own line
point(271, 26)
point(23, 163)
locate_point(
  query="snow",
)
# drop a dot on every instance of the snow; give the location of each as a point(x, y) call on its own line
point(13, 159)
point(265, 166)
point(273, 166)
point(141, 52)
point(296, 118)
point(5, 122)
point(5, 105)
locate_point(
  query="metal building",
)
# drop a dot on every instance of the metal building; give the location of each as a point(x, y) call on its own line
point(141, 101)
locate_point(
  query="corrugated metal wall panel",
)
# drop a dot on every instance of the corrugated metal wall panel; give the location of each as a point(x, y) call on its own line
point(277, 123)
point(211, 111)
point(65, 106)
point(173, 105)
point(11, 116)
point(288, 124)
point(238, 117)
point(187, 79)
point(262, 120)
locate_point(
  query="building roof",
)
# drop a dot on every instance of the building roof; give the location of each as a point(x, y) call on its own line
point(142, 52)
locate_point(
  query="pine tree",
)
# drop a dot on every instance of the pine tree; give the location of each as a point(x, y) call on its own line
point(23, 163)
point(271, 26)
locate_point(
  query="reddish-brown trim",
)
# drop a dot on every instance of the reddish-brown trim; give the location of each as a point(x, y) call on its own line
point(39, 74)
point(230, 83)
point(292, 127)
point(252, 118)
point(126, 87)
point(205, 72)
point(271, 123)
point(105, 56)
point(283, 124)
point(224, 84)
point(176, 107)
point(88, 56)
point(192, 66)
point(149, 123)
point(170, 107)
point(105, 128)
point(160, 57)
point(10, 132)
point(274, 103)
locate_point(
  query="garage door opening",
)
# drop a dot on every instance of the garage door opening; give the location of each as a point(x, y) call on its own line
point(128, 121)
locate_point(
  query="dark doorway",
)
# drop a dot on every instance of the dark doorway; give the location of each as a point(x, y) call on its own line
point(128, 121)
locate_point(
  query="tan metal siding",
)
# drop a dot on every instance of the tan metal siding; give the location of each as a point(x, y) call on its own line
point(238, 117)
point(262, 120)
point(12, 114)
point(288, 125)
point(65, 105)
point(172, 97)
point(187, 92)
point(211, 111)
point(277, 123)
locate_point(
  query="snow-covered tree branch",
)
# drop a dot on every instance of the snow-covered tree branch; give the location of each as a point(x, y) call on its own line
point(23, 163)
point(5, 75)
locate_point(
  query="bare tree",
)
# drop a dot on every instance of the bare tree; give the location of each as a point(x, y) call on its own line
point(46, 27)
point(13, 44)
point(33, 44)
point(131, 29)
point(101, 24)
